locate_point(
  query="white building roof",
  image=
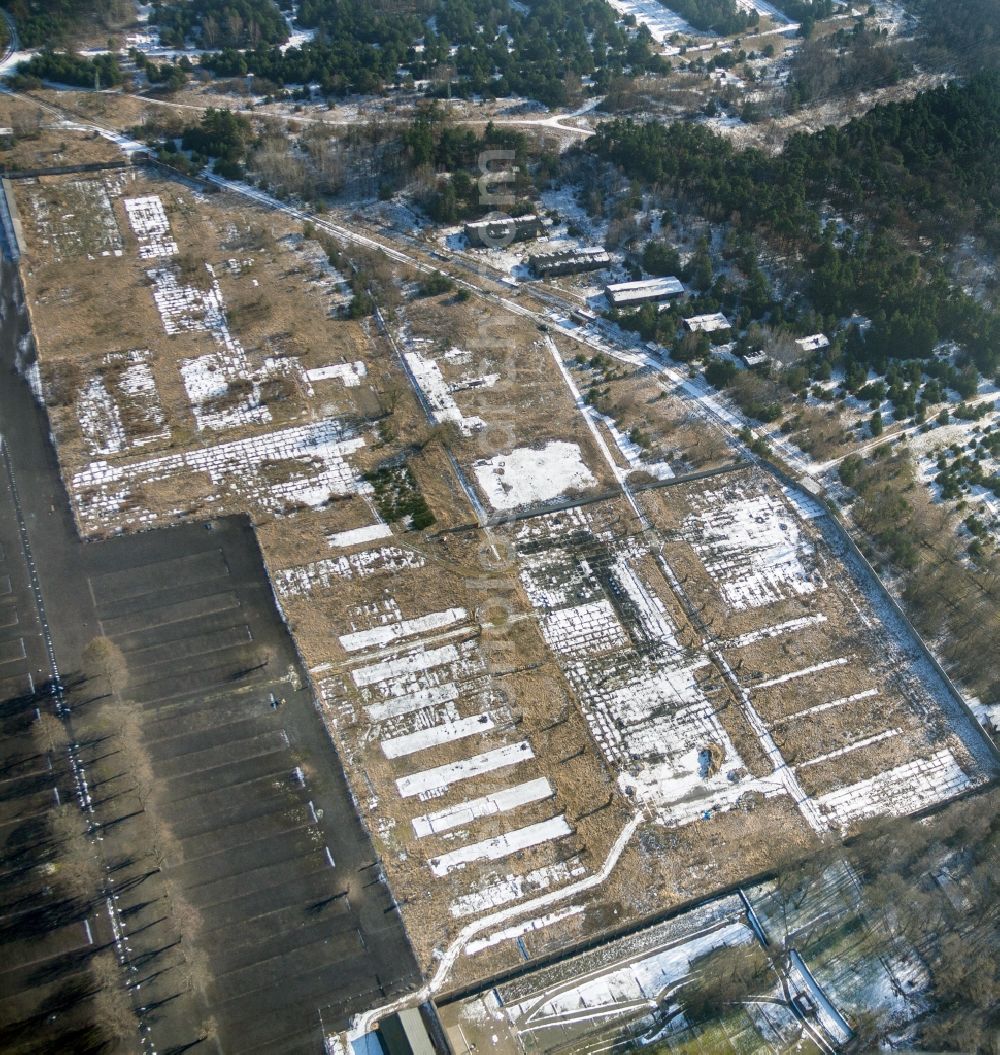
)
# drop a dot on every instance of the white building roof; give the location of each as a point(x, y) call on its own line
point(813, 343)
point(647, 289)
point(707, 323)
point(561, 255)
point(501, 221)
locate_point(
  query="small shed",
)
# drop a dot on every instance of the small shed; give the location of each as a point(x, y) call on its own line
point(707, 323)
point(814, 342)
point(405, 1034)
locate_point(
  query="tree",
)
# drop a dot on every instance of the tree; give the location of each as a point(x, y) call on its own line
point(659, 258)
point(876, 424)
point(699, 269)
point(77, 867)
point(720, 372)
point(103, 659)
point(50, 733)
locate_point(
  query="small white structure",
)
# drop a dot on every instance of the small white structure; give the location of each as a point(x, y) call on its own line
point(814, 342)
point(758, 358)
point(707, 323)
point(651, 289)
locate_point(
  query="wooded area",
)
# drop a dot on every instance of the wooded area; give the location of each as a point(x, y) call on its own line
point(921, 168)
point(501, 49)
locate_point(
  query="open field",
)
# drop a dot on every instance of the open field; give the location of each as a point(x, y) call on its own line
point(562, 707)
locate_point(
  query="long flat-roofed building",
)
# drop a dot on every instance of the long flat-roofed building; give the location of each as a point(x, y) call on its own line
point(502, 230)
point(569, 261)
point(623, 294)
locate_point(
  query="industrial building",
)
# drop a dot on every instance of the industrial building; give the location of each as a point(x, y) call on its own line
point(626, 294)
point(502, 230)
point(569, 261)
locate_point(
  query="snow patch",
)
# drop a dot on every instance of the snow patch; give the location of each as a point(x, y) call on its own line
point(442, 777)
point(528, 475)
point(484, 806)
point(502, 845)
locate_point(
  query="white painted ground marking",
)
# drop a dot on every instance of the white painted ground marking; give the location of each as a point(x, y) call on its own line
point(522, 928)
point(814, 669)
point(354, 537)
point(485, 806)
point(442, 777)
point(866, 695)
point(502, 845)
point(856, 746)
point(409, 664)
point(422, 739)
point(382, 635)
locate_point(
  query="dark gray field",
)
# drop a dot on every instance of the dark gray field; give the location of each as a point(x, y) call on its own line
point(294, 917)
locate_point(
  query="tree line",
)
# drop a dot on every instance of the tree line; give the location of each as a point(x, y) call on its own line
point(63, 67)
point(46, 23)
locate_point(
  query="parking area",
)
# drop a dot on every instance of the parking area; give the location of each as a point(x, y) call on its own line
point(295, 920)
